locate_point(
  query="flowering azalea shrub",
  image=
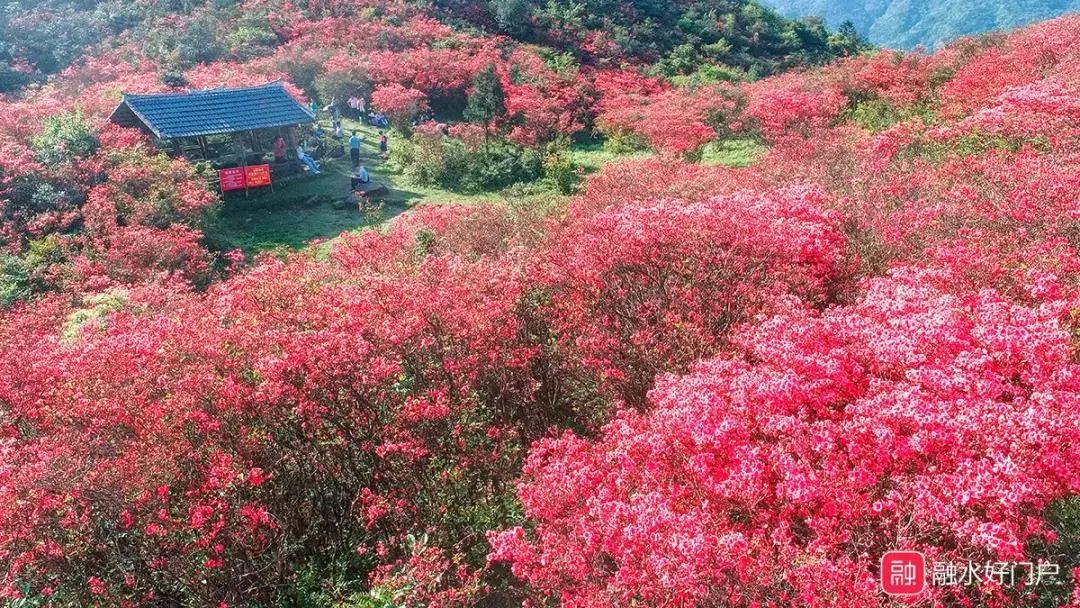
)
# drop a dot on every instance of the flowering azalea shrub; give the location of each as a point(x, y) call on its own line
point(88, 209)
point(542, 103)
point(792, 106)
point(627, 182)
point(644, 289)
point(779, 475)
point(399, 103)
point(900, 78)
point(935, 413)
point(713, 386)
point(1045, 109)
point(142, 188)
point(274, 443)
point(677, 121)
point(326, 415)
point(985, 68)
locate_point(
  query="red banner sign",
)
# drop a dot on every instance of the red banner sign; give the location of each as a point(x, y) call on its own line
point(238, 178)
point(258, 175)
point(231, 178)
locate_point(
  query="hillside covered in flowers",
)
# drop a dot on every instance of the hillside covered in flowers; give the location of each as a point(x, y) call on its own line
point(677, 384)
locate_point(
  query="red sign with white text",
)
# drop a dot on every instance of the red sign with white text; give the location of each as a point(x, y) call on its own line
point(258, 175)
point(238, 178)
point(231, 178)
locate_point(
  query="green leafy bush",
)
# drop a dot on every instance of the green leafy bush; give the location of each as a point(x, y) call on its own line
point(64, 137)
point(446, 162)
point(876, 115)
point(561, 172)
point(251, 40)
point(623, 142)
point(14, 280)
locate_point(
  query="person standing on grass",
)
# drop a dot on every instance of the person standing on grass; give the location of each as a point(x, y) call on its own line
point(382, 144)
point(354, 148)
point(335, 111)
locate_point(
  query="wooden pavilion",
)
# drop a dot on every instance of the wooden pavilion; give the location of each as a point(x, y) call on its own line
point(226, 126)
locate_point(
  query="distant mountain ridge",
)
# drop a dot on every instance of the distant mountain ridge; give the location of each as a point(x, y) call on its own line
point(930, 23)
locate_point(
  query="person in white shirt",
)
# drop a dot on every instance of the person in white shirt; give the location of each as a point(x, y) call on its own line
point(307, 160)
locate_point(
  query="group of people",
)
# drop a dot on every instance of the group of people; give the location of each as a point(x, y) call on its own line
point(301, 155)
point(356, 140)
point(358, 110)
point(360, 175)
point(358, 107)
point(355, 143)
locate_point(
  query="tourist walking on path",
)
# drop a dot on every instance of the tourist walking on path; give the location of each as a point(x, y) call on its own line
point(383, 148)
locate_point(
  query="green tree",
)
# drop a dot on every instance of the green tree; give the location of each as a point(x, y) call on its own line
point(847, 41)
point(10, 78)
point(513, 16)
point(487, 100)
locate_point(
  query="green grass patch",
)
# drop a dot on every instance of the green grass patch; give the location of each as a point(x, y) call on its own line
point(732, 152)
point(318, 207)
point(591, 154)
point(294, 213)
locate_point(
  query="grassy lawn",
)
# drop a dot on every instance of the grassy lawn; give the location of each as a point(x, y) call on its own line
point(303, 209)
point(590, 155)
point(281, 220)
point(311, 207)
point(732, 152)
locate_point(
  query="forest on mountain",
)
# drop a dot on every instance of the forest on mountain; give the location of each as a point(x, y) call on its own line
point(655, 380)
point(906, 24)
point(739, 37)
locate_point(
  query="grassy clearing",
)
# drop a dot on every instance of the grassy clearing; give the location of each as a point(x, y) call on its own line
point(279, 218)
point(743, 152)
point(591, 155)
point(732, 152)
point(295, 213)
